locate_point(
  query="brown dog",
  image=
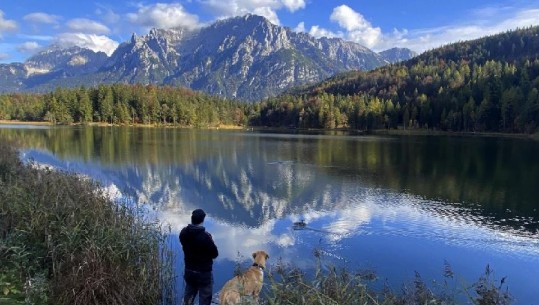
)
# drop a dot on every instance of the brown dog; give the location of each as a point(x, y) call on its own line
point(247, 286)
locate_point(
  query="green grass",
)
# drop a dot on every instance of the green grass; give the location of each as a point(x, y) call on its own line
point(64, 242)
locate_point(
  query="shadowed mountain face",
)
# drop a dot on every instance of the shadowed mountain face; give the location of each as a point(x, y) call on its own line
point(244, 57)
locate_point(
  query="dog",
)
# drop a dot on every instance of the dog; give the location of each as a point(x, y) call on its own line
point(246, 286)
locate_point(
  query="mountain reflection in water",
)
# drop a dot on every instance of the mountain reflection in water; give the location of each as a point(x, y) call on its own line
point(399, 204)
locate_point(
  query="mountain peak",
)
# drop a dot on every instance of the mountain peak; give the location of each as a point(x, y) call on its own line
point(244, 57)
point(248, 20)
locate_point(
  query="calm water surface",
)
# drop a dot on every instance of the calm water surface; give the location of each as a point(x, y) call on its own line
point(395, 205)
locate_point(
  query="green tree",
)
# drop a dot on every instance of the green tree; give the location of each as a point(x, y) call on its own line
point(85, 109)
point(106, 103)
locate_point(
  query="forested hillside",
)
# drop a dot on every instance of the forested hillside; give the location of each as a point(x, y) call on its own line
point(488, 84)
point(123, 104)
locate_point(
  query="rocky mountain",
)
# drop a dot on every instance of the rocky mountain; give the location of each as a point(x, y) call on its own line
point(72, 61)
point(395, 55)
point(243, 57)
point(11, 77)
point(145, 59)
point(47, 67)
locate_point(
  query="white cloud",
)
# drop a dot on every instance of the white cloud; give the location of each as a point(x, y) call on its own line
point(239, 7)
point(491, 23)
point(93, 42)
point(294, 5)
point(265, 8)
point(358, 28)
point(484, 21)
point(300, 27)
point(28, 47)
point(6, 25)
point(348, 19)
point(161, 15)
point(318, 32)
point(88, 26)
point(268, 13)
point(369, 37)
point(522, 18)
point(41, 18)
point(4, 56)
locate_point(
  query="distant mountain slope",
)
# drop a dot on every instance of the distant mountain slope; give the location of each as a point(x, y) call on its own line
point(243, 57)
point(11, 76)
point(395, 55)
point(487, 84)
point(50, 68)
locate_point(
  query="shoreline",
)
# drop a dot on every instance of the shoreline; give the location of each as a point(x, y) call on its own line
point(16, 122)
point(101, 124)
point(390, 132)
point(425, 132)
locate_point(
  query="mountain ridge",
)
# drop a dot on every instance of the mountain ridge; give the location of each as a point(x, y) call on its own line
point(244, 57)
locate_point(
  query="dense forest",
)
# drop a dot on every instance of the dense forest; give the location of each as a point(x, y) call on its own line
point(123, 104)
point(488, 84)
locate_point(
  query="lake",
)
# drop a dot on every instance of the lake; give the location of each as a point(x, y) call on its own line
point(392, 204)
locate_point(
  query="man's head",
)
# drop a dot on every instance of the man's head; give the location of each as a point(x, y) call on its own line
point(198, 216)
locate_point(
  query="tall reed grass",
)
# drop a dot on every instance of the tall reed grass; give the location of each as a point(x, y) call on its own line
point(330, 285)
point(64, 242)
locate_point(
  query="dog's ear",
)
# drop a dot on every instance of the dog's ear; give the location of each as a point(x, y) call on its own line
point(267, 256)
point(254, 255)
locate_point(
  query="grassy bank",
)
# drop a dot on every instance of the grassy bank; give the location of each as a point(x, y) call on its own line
point(64, 242)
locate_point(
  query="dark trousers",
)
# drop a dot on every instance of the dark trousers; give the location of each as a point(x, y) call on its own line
point(197, 282)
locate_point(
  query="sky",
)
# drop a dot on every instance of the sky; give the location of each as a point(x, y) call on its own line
point(29, 26)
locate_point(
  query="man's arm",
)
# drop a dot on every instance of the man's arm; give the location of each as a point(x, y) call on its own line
point(182, 236)
point(212, 247)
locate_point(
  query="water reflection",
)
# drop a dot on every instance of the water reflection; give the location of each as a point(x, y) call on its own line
point(248, 188)
point(370, 200)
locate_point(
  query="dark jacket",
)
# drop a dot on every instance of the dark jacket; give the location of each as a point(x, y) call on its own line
point(198, 248)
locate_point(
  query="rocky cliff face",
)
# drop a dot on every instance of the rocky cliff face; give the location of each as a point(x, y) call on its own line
point(394, 55)
point(243, 57)
point(250, 58)
point(144, 59)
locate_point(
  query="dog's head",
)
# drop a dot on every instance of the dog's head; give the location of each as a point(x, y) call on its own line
point(260, 258)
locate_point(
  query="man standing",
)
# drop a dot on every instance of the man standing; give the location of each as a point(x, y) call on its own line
point(199, 251)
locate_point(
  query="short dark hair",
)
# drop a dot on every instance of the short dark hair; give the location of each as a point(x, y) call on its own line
point(198, 216)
